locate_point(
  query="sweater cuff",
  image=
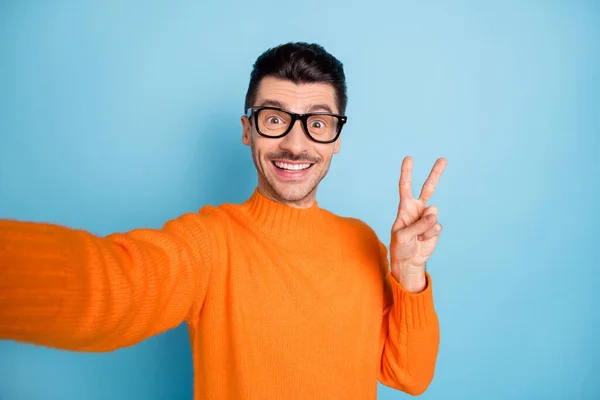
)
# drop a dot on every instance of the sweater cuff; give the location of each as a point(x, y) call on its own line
point(417, 309)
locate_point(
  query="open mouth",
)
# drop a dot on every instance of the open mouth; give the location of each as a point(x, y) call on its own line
point(292, 167)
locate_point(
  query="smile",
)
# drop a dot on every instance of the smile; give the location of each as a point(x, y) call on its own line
point(291, 167)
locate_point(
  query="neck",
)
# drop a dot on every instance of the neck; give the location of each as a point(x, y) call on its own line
point(282, 221)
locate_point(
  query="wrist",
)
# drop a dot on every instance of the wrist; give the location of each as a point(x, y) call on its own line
point(411, 277)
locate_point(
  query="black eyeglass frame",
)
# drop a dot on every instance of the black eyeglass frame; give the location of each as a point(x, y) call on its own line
point(302, 117)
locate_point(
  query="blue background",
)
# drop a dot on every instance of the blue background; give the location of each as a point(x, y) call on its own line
point(116, 116)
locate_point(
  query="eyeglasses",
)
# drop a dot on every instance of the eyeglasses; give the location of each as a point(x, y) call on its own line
point(275, 122)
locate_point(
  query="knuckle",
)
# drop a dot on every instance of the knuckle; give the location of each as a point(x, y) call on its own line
point(402, 236)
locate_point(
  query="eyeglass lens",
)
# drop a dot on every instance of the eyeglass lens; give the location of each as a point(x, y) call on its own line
point(276, 122)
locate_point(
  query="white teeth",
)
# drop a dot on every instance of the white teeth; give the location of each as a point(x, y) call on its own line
point(291, 167)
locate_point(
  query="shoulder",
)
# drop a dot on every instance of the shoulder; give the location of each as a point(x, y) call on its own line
point(362, 238)
point(207, 217)
point(205, 228)
point(355, 227)
point(355, 224)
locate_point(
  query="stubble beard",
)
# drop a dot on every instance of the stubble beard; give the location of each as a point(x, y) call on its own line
point(291, 192)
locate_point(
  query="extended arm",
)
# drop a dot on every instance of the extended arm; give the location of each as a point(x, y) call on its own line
point(69, 289)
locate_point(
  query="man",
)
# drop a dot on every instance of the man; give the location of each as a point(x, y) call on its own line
point(282, 298)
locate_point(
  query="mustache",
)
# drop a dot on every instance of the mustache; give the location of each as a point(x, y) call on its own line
point(287, 156)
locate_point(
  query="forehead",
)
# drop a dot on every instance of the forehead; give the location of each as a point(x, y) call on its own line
point(296, 97)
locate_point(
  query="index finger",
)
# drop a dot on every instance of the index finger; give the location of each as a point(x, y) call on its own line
point(405, 184)
point(432, 179)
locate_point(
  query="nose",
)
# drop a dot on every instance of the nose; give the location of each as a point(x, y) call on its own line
point(295, 141)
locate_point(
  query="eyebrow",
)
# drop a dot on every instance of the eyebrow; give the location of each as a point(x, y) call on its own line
point(313, 108)
point(271, 103)
point(320, 107)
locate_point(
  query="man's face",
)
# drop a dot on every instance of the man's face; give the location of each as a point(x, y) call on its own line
point(290, 168)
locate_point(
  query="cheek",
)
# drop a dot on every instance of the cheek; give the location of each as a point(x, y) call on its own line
point(326, 153)
point(260, 148)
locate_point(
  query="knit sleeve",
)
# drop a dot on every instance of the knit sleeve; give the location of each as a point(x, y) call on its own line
point(409, 335)
point(70, 289)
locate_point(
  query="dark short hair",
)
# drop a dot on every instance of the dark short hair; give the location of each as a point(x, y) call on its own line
point(299, 62)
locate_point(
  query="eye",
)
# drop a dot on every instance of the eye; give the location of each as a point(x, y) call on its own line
point(317, 124)
point(274, 120)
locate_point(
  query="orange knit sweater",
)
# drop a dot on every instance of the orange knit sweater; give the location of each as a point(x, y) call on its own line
point(281, 303)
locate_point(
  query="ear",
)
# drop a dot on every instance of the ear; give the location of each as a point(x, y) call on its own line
point(246, 130)
point(336, 146)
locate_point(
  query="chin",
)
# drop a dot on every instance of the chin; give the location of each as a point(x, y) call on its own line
point(292, 192)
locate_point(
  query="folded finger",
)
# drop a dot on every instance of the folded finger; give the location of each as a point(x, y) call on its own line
point(431, 232)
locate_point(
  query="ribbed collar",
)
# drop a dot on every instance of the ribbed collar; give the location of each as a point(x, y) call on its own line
point(278, 219)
